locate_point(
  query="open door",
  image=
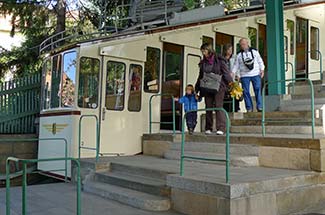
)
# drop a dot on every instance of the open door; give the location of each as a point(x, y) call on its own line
point(301, 47)
point(172, 83)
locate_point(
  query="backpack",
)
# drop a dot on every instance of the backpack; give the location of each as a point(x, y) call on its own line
point(249, 63)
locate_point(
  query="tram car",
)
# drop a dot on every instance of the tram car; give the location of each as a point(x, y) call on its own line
point(98, 90)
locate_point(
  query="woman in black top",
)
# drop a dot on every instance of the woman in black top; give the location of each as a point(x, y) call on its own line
point(212, 63)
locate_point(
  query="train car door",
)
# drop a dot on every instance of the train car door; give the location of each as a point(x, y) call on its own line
point(172, 82)
point(121, 103)
point(301, 47)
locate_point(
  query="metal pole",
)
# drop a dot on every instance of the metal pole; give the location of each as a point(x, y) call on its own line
point(182, 146)
point(7, 188)
point(78, 189)
point(227, 147)
point(174, 120)
point(79, 138)
point(97, 138)
point(24, 185)
point(293, 75)
point(150, 119)
point(312, 108)
point(263, 110)
point(233, 105)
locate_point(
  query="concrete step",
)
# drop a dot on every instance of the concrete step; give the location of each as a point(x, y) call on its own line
point(235, 160)
point(273, 115)
point(218, 148)
point(151, 185)
point(299, 107)
point(276, 122)
point(276, 129)
point(129, 197)
point(138, 171)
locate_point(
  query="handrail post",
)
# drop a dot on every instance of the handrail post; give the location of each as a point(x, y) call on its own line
point(24, 185)
point(174, 117)
point(97, 135)
point(233, 105)
point(150, 119)
point(227, 160)
point(78, 188)
point(173, 111)
point(182, 146)
point(8, 187)
point(227, 147)
point(293, 75)
point(263, 109)
point(312, 108)
point(312, 101)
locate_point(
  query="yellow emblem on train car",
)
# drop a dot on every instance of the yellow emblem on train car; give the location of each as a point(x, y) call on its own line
point(55, 128)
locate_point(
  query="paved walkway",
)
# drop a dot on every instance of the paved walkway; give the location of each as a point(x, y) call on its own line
point(60, 199)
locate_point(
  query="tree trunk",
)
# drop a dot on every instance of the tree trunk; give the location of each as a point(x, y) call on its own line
point(60, 17)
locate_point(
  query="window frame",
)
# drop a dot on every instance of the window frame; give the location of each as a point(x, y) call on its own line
point(159, 72)
point(312, 51)
point(60, 55)
point(124, 64)
point(286, 52)
point(142, 69)
point(78, 81)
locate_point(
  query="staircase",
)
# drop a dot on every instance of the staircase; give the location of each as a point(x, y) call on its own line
point(283, 165)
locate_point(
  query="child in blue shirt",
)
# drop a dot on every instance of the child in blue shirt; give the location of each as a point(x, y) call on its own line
point(189, 102)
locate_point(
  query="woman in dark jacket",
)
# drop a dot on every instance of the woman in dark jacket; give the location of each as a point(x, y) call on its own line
point(212, 63)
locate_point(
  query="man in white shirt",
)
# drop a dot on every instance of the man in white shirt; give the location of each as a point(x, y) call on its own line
point(251, 69)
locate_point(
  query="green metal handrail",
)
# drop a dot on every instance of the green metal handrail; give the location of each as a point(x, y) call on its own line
point(312, 102)
point(24, 181)
point(232, 102)
point(293, 75)
point(173, 112)
point(227, 160)
point(97, 136)
point(320, 63)
point(45, 139)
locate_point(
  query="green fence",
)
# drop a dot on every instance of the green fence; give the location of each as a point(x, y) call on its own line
point(312, 103)
point(24, 180)
point(173, 112)
point(20, 104)
point(227, 160)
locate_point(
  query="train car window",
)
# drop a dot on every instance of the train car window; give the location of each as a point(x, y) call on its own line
point(115, 86)
point(252, 35)
point(135, 86)
point(68, 79)
point(291, 28)
point(46, 92)
point(208, 40)
point(314, 43)
point(88, 82)
point(56, 81)
point(152, 70)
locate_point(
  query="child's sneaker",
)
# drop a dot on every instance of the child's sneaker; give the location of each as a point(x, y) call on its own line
point(208, 132)
point(220, 132)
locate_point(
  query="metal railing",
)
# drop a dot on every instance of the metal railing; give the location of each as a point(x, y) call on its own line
point(227, 160)
point(165, 123)
point(97, 136)
point(320, 59)
point(24, 181)
point(312, 102)
point(45, 139)
point(232, 102)
point(293, 75)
